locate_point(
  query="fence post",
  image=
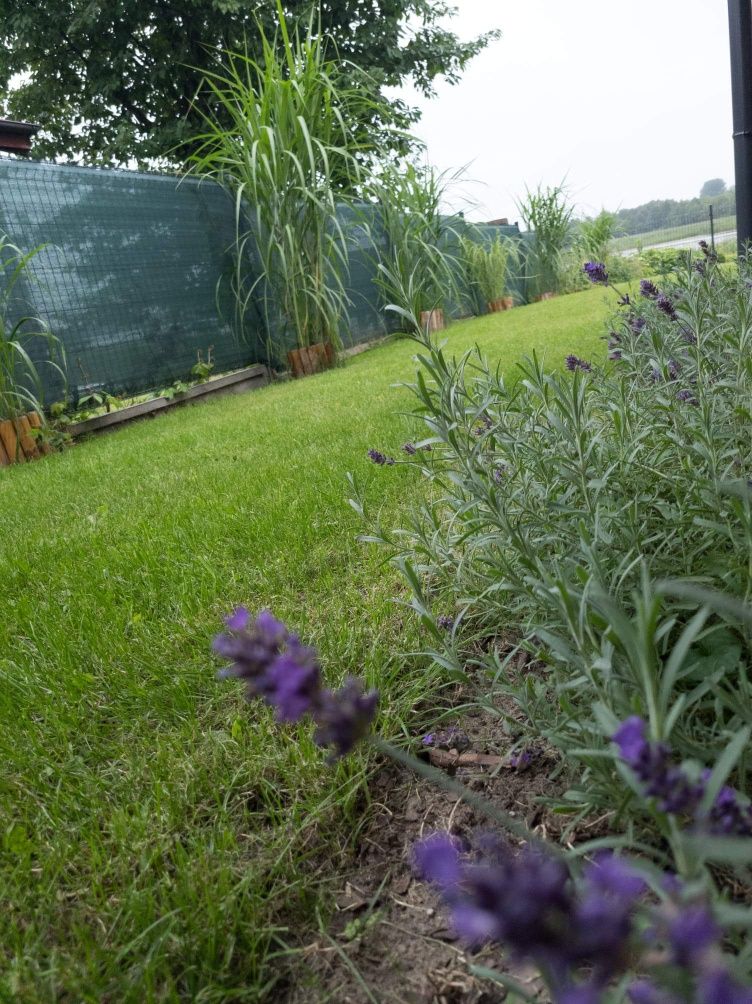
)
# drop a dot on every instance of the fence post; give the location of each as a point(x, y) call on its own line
point(712, 229)
point(740, 30)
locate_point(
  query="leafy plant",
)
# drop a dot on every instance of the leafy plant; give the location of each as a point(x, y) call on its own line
point(488, 267)
point(288, 156)
point(202, 369)
point(21, 387)
point(98, 399)
point(416, 260)
point(595, 236)
point(547, 215)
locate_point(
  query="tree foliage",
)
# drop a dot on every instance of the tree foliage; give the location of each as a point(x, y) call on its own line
point(115, 82)
point(712, 187)
point(664, 213)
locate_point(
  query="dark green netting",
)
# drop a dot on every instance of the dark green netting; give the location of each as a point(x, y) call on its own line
point(136, 277)
point(128, 280)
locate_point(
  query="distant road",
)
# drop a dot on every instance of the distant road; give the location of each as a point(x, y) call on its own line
point(683, 242)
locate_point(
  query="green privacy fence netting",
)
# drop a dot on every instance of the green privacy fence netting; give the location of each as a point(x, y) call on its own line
point(135, 278)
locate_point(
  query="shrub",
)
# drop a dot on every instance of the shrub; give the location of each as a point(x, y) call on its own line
point(603, 515)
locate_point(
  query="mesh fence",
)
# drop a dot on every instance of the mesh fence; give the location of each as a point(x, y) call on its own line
point(678, 230)
point(135, 278)
point(130, 278)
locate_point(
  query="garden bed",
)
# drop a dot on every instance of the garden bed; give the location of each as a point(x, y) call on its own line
point(250, 378)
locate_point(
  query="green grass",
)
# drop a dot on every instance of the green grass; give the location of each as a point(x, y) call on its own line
point(722, 224)
point(159, 839)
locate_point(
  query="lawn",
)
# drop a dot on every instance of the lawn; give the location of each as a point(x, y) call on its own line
point(161, 841)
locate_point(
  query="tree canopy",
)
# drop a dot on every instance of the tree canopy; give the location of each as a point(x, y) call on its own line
point(115, 82)
point(713, 187)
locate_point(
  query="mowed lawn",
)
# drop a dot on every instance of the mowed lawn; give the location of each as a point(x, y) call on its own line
point(160, 840)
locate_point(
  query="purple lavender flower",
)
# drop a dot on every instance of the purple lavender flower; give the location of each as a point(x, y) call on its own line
point(711, 256)
point(286, 674)
point(499, 473)
point(343, 717)
point(689, 337)
point(445, 622)
point(380, 458)
point(437, 860)
point(651, 762)
point(526, 900)
point(637, 324)
point(615, 355)
point(672, 788)
point(292, 683)
point(485, 424)
point(596, 272)
point(452, 738)
point(717, 985)
point(664, 304)
point(728, 816)
point(575, 363)
point(673, 369)
point(686, 396)
point(655, 374)
point(251, 647)
point(624, 301)
point(409, 449)
point(690, 933)
point(649, 289)
point(701, 267)
point(524, 758)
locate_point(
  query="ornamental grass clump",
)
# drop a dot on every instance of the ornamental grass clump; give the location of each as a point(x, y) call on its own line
point(282, 142)
point(416, 245)
point(488, 267)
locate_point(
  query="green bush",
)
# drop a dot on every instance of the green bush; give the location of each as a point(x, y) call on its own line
point(600, 520)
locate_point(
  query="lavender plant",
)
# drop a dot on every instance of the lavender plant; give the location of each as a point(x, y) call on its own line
point(609, 931)
point(604, 515)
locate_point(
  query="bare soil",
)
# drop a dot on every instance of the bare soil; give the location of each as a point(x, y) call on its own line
point(391, 940)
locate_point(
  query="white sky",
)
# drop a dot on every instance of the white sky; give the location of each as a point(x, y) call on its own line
point(631, 101)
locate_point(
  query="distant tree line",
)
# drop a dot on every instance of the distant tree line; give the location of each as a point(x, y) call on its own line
point(660, 214)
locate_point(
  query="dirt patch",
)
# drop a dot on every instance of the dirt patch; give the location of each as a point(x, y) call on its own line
point(390, 940)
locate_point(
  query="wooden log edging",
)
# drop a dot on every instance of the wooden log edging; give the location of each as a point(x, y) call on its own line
point(249, 378)
point(18, 444)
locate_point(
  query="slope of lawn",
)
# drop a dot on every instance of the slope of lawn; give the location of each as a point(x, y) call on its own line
point(159, 840)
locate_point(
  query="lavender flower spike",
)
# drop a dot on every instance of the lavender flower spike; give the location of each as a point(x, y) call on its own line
point(649, 289)
point(344, 716)
point(575, 363)
point(380, 459)
point(596, 272)
point(666, 306)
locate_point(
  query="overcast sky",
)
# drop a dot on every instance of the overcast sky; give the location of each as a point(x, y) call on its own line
point(631, 101)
